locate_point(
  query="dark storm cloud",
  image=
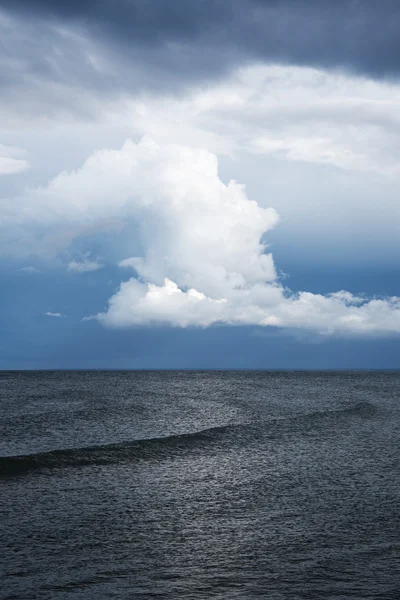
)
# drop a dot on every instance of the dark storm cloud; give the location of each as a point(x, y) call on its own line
point(199, 35)
point(70, 56)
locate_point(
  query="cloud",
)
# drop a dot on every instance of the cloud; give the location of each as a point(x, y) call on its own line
point(84, 266)
point(289, 113)
point(207, 37)
point(322, 145)
point(54, 52)
point(30, 269)
point(160, 189)
point(262, 304)
point(51, 314)
point(9, 164)
point(201, 255)
point(46, 66)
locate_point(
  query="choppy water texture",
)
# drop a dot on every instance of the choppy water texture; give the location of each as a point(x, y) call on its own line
point(199, 485)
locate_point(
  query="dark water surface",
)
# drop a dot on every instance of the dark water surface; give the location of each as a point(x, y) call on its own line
point(197, 485)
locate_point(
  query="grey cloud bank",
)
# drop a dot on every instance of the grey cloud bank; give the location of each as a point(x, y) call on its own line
point(180, 39)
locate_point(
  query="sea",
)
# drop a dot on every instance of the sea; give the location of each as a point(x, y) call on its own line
point(199, 485)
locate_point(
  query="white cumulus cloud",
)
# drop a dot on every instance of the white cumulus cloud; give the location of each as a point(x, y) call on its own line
point(262, 304)
point(203, 258)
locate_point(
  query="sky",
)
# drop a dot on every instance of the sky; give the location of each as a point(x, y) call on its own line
point(199, 185)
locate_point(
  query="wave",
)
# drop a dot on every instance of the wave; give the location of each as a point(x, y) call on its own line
point(149, 448)
point(360, 409)
point(160, 448)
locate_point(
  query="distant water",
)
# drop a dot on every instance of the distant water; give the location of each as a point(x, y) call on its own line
point(197, 485)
